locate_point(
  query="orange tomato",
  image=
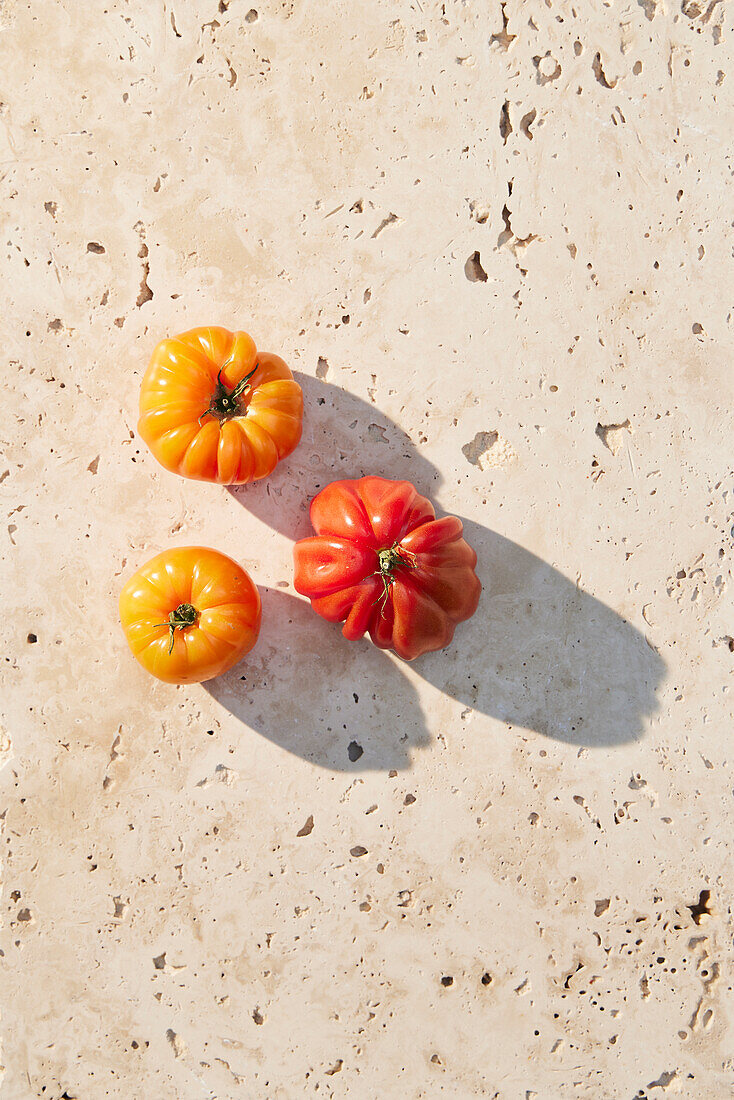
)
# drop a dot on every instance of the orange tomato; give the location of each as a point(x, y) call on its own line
point(214, 409)
point(189, 614)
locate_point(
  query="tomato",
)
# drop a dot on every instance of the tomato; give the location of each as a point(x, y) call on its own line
point(214, 409)
point(189, 614)
point(381, 562)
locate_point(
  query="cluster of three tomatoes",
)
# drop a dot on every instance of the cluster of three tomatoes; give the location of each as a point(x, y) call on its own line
point(213, 408)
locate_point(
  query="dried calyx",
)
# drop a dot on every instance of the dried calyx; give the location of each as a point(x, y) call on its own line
point(225, 403)
point(390, 559)
point(184, 615)
point(393, 558)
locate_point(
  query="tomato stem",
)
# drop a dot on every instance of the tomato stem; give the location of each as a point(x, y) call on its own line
point(225, 403)
point(184, 615)
point(390, 559)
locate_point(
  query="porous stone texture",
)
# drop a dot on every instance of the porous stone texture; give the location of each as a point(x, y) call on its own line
point(494, 241)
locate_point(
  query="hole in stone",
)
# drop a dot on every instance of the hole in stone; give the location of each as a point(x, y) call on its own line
point(473, 269)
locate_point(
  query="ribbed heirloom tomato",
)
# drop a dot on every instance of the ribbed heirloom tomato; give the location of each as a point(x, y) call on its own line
point(213, 408)
point(381, 562)
point(189, 614)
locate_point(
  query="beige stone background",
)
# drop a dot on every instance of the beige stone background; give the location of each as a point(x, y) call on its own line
point(495, 242)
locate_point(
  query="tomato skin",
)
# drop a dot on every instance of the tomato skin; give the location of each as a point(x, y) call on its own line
point(224, 597)
point(410, 600)
point(242, 444)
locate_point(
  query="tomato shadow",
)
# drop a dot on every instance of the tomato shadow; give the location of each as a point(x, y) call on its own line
point(544, 655)
point(540, 653)
point(345, 707)
point(343, 437)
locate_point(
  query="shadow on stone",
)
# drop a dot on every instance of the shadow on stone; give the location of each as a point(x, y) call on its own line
point(308, 690)
point(539, 654)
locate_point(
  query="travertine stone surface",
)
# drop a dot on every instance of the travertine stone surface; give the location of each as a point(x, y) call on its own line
point(495, 242)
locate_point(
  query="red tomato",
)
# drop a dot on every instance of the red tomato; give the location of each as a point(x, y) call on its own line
point(213, 408)
point(381, 562)
point(189, 614)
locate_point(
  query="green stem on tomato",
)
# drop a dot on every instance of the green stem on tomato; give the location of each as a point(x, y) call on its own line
point(225, 403)
point(184, 615)
point(389, 560)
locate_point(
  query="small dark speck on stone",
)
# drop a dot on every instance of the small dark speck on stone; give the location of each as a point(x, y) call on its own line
point(486, 979)
point(354, 751)
point(251, 16)
point(159, 961)
point(95, 247)
point(409, 800)
point(306, 829)
point(447, 981)
point(357, 851)
point(32, 639)
point(258, 1016)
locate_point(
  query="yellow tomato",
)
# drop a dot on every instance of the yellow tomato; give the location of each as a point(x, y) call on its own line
point(214, 409)
point(189, 614)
